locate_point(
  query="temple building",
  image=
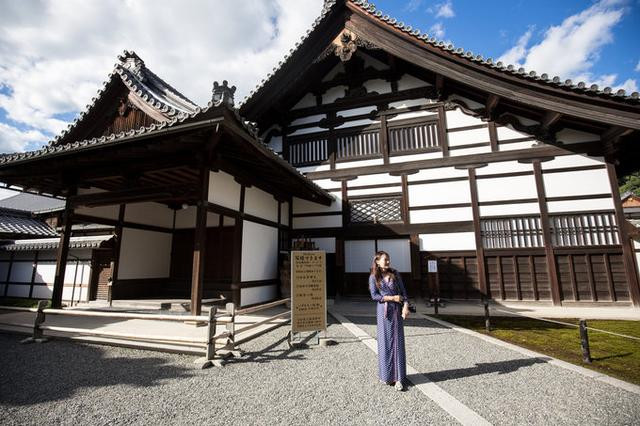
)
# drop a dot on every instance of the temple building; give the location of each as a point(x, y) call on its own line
point(368, 136)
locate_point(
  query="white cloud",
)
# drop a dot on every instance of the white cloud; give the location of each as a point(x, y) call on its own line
point(14, 140)
point(570, 50)
point(55, 55)
point(437, 30)
point(412, 5)
point(638, 67)
point(445, 10)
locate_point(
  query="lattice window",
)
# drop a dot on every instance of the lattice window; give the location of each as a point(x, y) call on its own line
point(413, 138)
point(379, 210)
point(308, 152)
point(514, 232)
point(584, 230)
point(358, 145)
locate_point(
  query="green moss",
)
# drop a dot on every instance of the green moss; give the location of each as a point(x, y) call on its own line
point(23, 303)
point(612, 355)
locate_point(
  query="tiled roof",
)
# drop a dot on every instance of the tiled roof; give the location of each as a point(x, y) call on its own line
point(531, 75)
point(32, 203)
point(13, 222)
point(53, 243)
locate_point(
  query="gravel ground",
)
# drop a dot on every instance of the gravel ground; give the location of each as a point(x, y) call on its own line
point(62, 382)
point(506, 387)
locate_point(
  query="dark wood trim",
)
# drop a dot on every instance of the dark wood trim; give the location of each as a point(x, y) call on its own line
point(404, 203)
point(504, 252)
point(572, 273)
point(114, 222)
point(335, 213)
point(345, 204)
point(258, 283)
point(607, 267)
point(463, 128)
point(384, 139)
point(579, 197)
point(505, 175)
point(534, 280)
point(115, 262)
point(6, 288)
point(627, 253)
point(552, 268)
point(332, 147)
point(592, 285)
point(440, 206)
point(574, 169)
point(443, 138)
point(442, 180)
point(243, 190)
point(226, 211)
point(376, 196)
point(140, 194)
point(414, 241)
point(469, 145)
point(381, 185)
point(482, 275)
point(613, 249)
point(61, 260)
point(200, 241)
point(516, 277)
point(33, 273)
point(503, 202)
point(516, 140)
point(503, 295)
point(493, 136)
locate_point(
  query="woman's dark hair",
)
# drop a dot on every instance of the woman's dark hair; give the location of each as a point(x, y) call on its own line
point(375, 269)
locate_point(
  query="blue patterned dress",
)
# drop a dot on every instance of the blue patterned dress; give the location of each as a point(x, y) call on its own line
point(391, 355)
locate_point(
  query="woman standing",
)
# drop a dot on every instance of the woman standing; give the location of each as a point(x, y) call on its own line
point(386, 287)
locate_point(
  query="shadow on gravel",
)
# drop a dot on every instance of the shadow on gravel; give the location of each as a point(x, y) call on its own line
point(58, 370)
point(270, 353)
point(502, 367)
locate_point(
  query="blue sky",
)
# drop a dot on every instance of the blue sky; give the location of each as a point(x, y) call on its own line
point(55, 55)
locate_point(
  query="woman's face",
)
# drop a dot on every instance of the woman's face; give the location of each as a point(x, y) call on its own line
point(383, 262)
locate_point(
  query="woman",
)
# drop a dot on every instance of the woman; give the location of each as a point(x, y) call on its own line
point(386, 287)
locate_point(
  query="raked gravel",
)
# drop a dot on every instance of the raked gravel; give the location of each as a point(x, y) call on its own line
point(506, 387)
point(63, 382)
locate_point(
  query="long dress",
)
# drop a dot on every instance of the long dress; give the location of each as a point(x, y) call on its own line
point(391, 354)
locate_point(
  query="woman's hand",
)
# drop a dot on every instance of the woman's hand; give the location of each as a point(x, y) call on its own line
point(405, 312)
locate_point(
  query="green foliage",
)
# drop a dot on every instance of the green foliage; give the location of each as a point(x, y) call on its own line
point(631, 183)
point(23, 303)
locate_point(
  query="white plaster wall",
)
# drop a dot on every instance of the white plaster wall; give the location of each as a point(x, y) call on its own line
point(144, 254)
point(326, 244)
point(507, 188)
point(378, 85)
point(447, 241)
point(307, 101)
point(377, 179)
point(470, 151)
point(374, 191)
point(509, 209)
point(399, 253)
point(415, 157)
point(317, 222)
point(465, 137)
point(108, 212)
point(517, 145)
point(408, 81)
point(412, 114)
point(254, 295)
point(21, 272)
point(149, 214)
point(456, 118)
point(406, 103)
point(507, 132)
point(361, 163)
point(304, 206)
point(580, 205)
point(439, 193)
point(570, 136)
point(4, 270)
point(2, 287)
point(573, 160)
point(308, 119)
point(186, 218)
point(503, 167)
point(356, 111)
point(582, 182)
point(318, 168)
point(334, 93)
point(223, 190)
point(260, 203)
point(437, 173)
point(327, 183)
point(275, 143)
point(441, 215)
point(46, 272)
point(308, 130)
point(470, 103)
point(259, 252)
point(18, 291)
point(284, 213)
point(358, 255)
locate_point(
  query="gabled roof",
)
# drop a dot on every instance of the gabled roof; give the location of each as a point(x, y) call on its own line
point(18, 223)
point(32, 203)
point(146, 90)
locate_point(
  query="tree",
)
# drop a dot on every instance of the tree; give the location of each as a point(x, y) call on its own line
point(630, 183)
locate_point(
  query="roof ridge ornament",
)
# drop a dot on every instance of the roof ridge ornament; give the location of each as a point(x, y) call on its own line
point(222, 94)
point(133, 63)
point(345, 45)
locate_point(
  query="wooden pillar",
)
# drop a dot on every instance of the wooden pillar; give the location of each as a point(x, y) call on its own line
point(627, 252)
point(442, 131)
point(200, 243)
point(552, 269)
point(493, 136)
point(384, 139)
point(482, 274)
point(404, 204)
point(416, 272)
point(61, 259)
point(6, 283)
point(340, 266)
point(115, 263)
point(33, 274)
point(236, 271)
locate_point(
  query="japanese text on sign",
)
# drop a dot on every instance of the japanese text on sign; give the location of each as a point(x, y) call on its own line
point(308, 291)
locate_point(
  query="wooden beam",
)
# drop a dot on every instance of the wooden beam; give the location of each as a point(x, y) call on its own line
point(138, 194)
point(200, 242)
point(552, 268)
point(61, 258)
point(493, 136)
point(491, 104)
point(115, 263)
point(482, 274)
point(443, 137)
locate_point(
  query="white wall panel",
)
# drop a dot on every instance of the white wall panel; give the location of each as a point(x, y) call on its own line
point(408, 81)
point(21, 272)
point(304, 206)
point(399, 253)
point(108, 212)
point(470, 151)
point(356, 111)
point(18, 290)
point(149, 214)
point(45, 292)
point(415, 157)
point(4, 270)
point(317, 222)
point(255, 295)
point(507, 132)
point(448, 241)
point(228, 221)
point(378, 85)
point(80, 294)
point(441, 215)
point(580, 205)
point(573, 160)
point(308, 100)
point(307, 130)
point(284, 214)
point(186, 218)
point(259, 252)
point(361, 163)
point(46, 271)
point(507, 188)
point(517, 145)
point(334, 93)
point(457, 118)
point(308, 119)
point(223, 190)
point(358, 255)
point(326, 244)
point(412, 114)
point(406, 103)
point(144, 254)
point(582, 182)
point(318, 168)
point(326, 183)
point(439, 193)
point(377, 179)
point(468, 102)
point(509, 209)
point(465, 137)
point(260, 203)
point(569, 136)
point(503, 167)
point(374, 191)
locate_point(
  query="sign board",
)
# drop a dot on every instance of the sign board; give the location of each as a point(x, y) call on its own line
point(432, 266)
point(308, 291)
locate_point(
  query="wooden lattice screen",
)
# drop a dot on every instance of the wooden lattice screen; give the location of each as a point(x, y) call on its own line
point(515, 232)
point(358, 145)
point(379, 210)
point(308, 151)
point(584, 230)
point(413, 138)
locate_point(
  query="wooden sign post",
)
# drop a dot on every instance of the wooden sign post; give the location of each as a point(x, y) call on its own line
point(308, 291)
